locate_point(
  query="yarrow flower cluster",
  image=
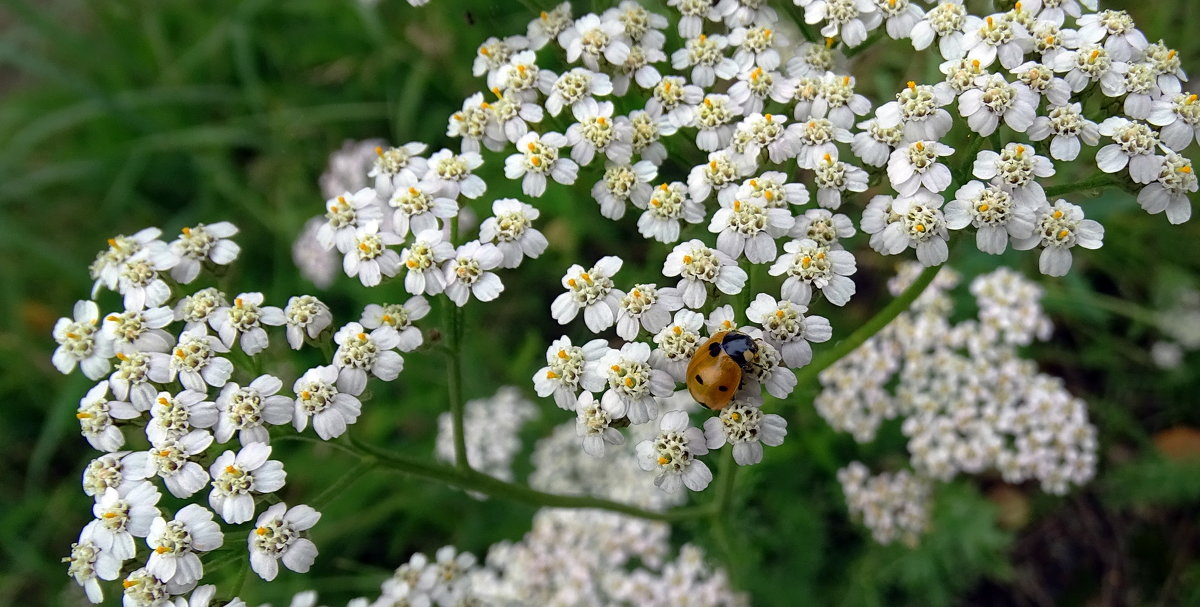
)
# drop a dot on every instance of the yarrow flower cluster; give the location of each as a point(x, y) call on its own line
point(726, 155)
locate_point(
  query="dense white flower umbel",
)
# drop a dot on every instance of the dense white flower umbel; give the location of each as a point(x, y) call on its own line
point(719, 143)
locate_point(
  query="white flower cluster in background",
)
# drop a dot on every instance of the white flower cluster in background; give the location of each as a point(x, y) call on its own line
point(968, 402)
point(893, 506)
point(492, 427)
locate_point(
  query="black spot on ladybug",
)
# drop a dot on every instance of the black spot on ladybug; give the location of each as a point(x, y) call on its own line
point(700, 380)
point(714, 349)
point(723, 388)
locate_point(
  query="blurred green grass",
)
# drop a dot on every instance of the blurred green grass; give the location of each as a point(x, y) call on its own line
point(117, 115)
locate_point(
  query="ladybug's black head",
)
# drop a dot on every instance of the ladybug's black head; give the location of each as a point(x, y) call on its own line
point(740, 347)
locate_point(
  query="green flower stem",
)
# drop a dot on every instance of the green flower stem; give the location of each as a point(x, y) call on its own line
point(454, 384)
point(348, 478)
point(807, 375)
point(472, 480)
point(1098, 182)
point(724, 499)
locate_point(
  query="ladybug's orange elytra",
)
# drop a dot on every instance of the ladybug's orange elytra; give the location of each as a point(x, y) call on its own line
point(715, 371)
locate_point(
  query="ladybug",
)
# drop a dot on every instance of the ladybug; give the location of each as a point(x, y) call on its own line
point(715, 371)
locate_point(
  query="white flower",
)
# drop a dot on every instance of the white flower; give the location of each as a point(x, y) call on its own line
point(749, 227)
point(592, 292)
point(713, 116)
point(901, 223)
point(1170, 191)
point(849, 20)
point(140, 280)
point(648, 128)
point(197, 309)
point(194, 361)
point(1134, 146)
point(370, 259)
point(418, 206)
point(318, 397)
point(1058, 229)
point(917, 166)
point(569, 368)
point(174, 544)
point(809, 265)
point(721, 319)
point(947, 22)
point(706, 56)
point(674, 100)
point(536, 157)
point(594, 425)
point(511, 229)
point(144, 589)
point(692, 14)
point(245, 318)
point(121, 515)
point(396, 161)
point(467, 273)
point(1121, 37)
point(672, 454)
point(591, 38)
point(360, 353)
point(109, 472)
point(106, 268)
point(424, 258)
point(764, 131)
point(754, 88)
point(996, 99)
point(278, 535)
point(80, 340)
point(511, 115)
point(766, 371)
point(201, 243)
point(755, 44)
point(494, 53)
point(82, 568)
point(994, 212)
point(1015, 169)
point(645, 305)
point(453, 174)
point(343, 214)
point(787, 329)
point(1167, 65)
point(900, 16)
point(669, 203)
point(130, 381)
point(1068, 126)
point(1041, 80)
point(833, 177)
point(623, 182)
point(139, 330)
point(171, 459)
point(1179, 120)
point(747, 429)
point(816, 139)
point(677, 342)
point(1091, 63)
point(633, 383)
point(572, 88)
point(247, 410)
point(812, 59)
point(236, 475)
point(399, 317)
point(305, 315)
point(918, 109)
point(1000, 36)
point(720, 173)
point(547, 26)
point(874, 144)
point(96, 415)
point(696, 264)
point(823, 227)
point(174, 416)
point(469, 123)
